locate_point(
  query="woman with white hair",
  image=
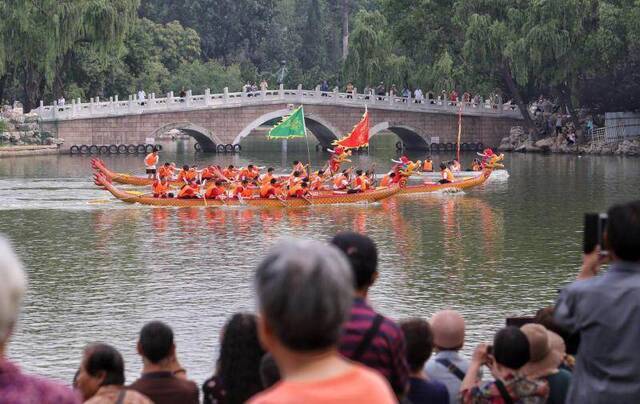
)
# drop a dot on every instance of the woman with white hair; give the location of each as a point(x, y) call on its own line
point(16, 387)
point(304, 292)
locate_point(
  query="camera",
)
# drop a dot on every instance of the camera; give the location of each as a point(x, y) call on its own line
point(595, 225)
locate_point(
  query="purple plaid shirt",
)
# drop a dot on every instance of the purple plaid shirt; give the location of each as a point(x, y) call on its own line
point(386, 353)
point(18, 388)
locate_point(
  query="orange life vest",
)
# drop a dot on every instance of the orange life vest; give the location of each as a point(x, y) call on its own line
point(151, 160)
point(386, 181)
point(213, 192)
point(187, 191)
point(362, 182)
point(339, 181)
point(427, 166)
point(447, 175)
point(159, 188)
point(247, 192)
point(164, 172)
point(266, 179)
point(267, 190)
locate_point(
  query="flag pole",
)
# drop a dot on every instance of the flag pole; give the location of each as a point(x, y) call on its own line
point(459, 133)
point(304, 125)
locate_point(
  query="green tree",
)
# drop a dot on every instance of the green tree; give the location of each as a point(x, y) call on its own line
point(38, 36)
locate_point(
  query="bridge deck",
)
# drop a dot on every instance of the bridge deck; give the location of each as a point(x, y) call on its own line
point(114, 107)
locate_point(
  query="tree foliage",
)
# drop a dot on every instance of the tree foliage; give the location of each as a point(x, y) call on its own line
point(585, 53)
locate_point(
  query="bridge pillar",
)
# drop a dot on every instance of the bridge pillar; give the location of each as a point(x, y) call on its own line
point(207, 96)
point(226, 94)
point(281, 91)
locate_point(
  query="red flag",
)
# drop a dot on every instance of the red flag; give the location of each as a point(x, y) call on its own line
point(358, 137)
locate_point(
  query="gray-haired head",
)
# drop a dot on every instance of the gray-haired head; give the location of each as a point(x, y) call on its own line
point(305, 291)
point(13, 285)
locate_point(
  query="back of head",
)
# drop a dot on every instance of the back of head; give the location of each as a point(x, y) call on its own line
point(105, 358)
point(511, 348)
point(304, 291)
point(13, 285)
point(623, 231)
point(448, 330)
point(419, 342)
point(362, 254)
point(240, 356)
point(156, 341)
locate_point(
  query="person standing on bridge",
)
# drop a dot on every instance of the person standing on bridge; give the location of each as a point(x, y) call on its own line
point(150, 163)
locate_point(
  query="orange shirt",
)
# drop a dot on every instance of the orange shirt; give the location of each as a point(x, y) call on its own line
point(295, 190)
point(182, 175)
point(247, 193)
point(159, 188)
point(151, 160)
point(213, 192)
point(266, 179)
point(339, 182)
point(207, 173)
point(267, 190)
point(427, 166)
point(447, 175)
point(362, 182)
point(165, 172)
point(187, 191)
point(230, 174)
point(386, 181)
point(357, 385)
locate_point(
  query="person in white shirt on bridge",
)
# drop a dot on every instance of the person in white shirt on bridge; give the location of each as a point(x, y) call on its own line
point(417, 94)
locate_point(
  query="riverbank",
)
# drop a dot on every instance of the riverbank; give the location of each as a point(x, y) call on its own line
point(29, 150)
point(518, 141)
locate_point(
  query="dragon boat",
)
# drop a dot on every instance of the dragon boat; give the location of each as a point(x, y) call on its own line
point(121, 178)
point(323, 198)
point(479, 179)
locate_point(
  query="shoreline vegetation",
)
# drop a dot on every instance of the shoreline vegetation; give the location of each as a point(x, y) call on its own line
point(518, 141)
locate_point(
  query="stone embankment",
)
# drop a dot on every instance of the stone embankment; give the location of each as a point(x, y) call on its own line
point(519, 141)
point(20, 135)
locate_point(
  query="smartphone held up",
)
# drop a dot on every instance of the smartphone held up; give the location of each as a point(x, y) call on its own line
point(595, 225)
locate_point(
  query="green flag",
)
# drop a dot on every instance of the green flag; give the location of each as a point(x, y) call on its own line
point(291, 126)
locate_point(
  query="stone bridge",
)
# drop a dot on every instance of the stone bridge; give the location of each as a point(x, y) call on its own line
point(222, 119)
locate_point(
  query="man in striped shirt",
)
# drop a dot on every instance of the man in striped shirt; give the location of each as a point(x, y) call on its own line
point(369, 337)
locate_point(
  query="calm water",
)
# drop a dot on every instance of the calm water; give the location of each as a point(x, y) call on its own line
point(99, 269)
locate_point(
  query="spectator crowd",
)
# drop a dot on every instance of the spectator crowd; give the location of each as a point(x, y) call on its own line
point(317, 339)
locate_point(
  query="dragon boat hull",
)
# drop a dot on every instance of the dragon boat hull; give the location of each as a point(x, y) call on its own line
point(433, 187)
point(325, 198)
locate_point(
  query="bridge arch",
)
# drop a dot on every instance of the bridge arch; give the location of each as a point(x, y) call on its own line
point(323, 130)
point(203, 136)
point(408, 135)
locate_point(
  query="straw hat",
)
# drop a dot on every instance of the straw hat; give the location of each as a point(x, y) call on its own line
point(544, 359)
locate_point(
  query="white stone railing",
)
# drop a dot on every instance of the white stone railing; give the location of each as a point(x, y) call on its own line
point(96, 108)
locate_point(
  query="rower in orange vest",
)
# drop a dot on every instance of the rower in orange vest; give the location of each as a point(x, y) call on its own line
point(215, 191)
point(230, 172)
point(189, 191)
point(388, 179)
point(160, 187)
point(183, 174)
point(427, 166)
point(242, 190)
point(267, 177)
point(294, 179)
point(341, 180)
point(299, 167)
point(165, 171)
point(269, 189)
point(316, 181)
point(150, 163)
point(447, 175)
point(360, 184)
